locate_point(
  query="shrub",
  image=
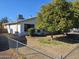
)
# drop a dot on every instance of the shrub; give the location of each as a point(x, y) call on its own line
point(31, 31)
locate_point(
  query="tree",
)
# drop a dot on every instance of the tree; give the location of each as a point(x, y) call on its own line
point(75, 13)
point(58, 16)
point(4, 20)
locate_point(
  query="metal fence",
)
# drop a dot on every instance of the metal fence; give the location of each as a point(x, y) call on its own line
point(25, 51)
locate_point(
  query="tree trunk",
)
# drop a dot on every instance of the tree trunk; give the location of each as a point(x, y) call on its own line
point(52, 37)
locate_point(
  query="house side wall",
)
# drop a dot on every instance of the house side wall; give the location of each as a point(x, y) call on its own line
point(8, 28)
point(16, 28)
point(19, 28)
point(12, 28)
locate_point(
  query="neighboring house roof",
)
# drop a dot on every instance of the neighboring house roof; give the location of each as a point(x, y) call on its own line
point(25, 20)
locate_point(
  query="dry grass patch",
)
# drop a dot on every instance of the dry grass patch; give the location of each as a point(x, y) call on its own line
point(47, 42)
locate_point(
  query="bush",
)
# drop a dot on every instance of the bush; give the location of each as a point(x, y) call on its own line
point(31, 31)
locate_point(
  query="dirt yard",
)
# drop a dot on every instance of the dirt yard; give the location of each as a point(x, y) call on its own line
point(54, 49)
point(51, 50)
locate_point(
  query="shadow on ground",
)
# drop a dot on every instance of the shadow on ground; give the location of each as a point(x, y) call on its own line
point(6, 43)
point(70, 38)
point(16, 41)
point(3, 43)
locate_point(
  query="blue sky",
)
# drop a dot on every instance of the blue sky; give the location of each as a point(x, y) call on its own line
point(11, 8)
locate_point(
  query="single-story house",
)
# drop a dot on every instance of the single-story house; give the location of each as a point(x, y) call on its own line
point(21, 27)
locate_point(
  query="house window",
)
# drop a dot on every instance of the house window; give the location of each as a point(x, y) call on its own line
point(27, 26)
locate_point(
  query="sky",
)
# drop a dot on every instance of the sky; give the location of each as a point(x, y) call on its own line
point(28, 8)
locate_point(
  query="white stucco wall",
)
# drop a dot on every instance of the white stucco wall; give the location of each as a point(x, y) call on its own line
point(19, 28)
point(8, 28)
point(12, 28)
point(16, 28)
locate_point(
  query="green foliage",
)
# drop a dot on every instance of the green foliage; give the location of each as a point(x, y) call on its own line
point(76, 3)
point(58, 16)
point(31, 31)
